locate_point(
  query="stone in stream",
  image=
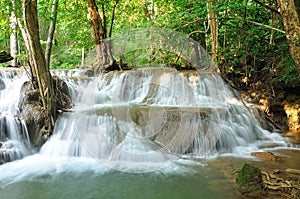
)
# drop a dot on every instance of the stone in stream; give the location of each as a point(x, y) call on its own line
point(2, 85)
point(31, 110)
point(269, 156)
point(249, 181)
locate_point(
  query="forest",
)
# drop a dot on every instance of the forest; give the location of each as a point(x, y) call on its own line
point(254, 43)
point(254, 46)
point(246, 38)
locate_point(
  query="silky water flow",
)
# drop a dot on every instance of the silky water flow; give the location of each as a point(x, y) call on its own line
point(14, 139)
point(131, 134)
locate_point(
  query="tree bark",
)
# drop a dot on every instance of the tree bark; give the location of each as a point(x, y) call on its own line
point(51, 32)
point(13, 36)
point(213, 25)
point(113, 18)
point(103, 49)
point(38, 63)
point(291, 24)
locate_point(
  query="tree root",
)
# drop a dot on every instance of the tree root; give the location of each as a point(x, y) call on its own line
point(275, 182)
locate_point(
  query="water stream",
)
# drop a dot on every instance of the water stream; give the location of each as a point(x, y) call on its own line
point(134, 134)
point(14, 139)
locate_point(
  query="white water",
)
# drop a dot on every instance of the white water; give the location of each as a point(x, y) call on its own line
point(14, 139)
point(140, 121)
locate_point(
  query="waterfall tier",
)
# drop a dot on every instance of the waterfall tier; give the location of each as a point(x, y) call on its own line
point(154, 116)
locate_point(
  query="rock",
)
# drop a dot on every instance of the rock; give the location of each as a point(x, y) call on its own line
point(61, 90)
point(266, 156)
point(5, 57)
point(31, 110)
point(261, 117)
point(249, 181)
point(279, 115)
point(2, 84)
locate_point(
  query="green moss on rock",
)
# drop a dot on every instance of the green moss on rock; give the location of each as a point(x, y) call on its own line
point(250, 180)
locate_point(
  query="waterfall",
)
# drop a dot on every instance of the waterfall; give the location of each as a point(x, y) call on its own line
point(127, 120)
point(14, 139)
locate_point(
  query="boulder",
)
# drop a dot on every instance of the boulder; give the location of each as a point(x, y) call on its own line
point(269, 156)
point(31, 110)
point(249, 181)
point(62, 94)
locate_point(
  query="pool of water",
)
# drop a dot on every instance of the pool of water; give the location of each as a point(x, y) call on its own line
point(41, 177)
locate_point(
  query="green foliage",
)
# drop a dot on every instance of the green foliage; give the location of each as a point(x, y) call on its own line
point(245, 49)
point(149, 58)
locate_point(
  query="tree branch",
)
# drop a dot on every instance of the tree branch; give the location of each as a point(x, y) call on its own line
point(266, 6)
point(270, 27)
point(113, 18)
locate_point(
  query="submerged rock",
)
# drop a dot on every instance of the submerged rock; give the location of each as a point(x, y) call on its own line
point(249, 181)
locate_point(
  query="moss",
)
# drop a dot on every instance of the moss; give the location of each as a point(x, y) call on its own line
point(249, 179)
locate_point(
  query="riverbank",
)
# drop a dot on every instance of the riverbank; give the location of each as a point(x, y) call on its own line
point(280, 178)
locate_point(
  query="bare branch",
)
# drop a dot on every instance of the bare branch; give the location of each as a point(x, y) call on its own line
point(270, 27)
point(266, 6)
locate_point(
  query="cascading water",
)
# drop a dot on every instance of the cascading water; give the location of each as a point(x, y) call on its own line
point(138, 121)
point(14, 139)
point(142, 120)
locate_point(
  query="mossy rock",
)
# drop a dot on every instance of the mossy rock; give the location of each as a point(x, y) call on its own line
point(250, 180)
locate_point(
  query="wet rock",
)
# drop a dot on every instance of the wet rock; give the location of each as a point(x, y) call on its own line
point(2, 85)
point(266, 156)
point(62, 94)
point(31, 110)
point(8, 155)
point(279, 115)
point(89, 72)
point(3, 132)
point(249, 181)
point(262, 118)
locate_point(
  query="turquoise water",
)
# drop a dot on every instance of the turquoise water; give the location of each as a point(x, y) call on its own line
point(88, 179)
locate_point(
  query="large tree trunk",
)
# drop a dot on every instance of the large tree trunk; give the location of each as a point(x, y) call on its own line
point(13, 36)
point(40, 71)
point(51, 32)
point(103, 49)
point(291, 22)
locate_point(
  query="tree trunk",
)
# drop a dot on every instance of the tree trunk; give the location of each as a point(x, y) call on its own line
point(13, 36)
point(213, 24)
point(51, 32)
point(291, 24)
point(38, 63)
point(103, 49)
point(113, 17)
